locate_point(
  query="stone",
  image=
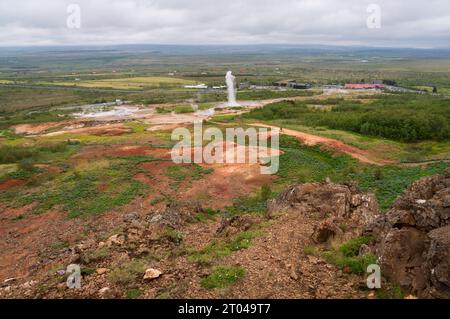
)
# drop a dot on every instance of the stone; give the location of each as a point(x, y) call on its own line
point(176, 214)
point(101, 271)
point(372, 295)
point(29, 284)
point(9, 280)
point(347, 270)
point(129, 217)
point(232, 225)
point(115, 240)
point(401, 256)
point(413, 238)
point(293, 275)
point(156, 218)
point(364, 250)
point(334, 205)
point(313, 259)
point(104, 292)
point(325, 231)
point(438, 260)
point(7, 289)
point(151, 274)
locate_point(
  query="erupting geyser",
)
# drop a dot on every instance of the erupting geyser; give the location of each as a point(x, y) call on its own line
point(231, 84)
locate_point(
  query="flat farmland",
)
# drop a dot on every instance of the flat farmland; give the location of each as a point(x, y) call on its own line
point(133, 83)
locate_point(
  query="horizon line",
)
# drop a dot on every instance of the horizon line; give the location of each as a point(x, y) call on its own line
point(225, 45)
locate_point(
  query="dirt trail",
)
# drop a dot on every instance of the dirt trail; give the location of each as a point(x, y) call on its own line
point(277, 267)
point(309, 139)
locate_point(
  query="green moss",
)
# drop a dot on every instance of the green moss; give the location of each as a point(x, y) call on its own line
point(133, 293)
point(97, 254)
point(86, 271)
point(19, 217)
point(357, 265)
point(219, 249)
point(346, 256)
point(310, 250)
point(395, 292)
point(223, 277)
point(207, 214)
point(180, 173)
point(352, 247)
point(127, 273)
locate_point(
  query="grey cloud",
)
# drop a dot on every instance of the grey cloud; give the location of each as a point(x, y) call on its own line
point(414, 23)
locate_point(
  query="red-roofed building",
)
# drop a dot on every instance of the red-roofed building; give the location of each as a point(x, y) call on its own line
point(363, 86)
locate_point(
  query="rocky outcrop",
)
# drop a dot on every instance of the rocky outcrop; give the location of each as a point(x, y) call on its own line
point(340, 210)
point(413, 238)
point(176, 214)
point(233, 225)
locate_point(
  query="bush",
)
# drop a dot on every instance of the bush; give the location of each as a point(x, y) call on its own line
point(407, 118)
point(26, 165)
point(347, 256)
point(356, 265)
point(10, 154)
point(182, 109)
point(266, 192)
point(351, 248)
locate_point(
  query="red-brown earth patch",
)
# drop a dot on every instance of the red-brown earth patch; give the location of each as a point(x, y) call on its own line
point(226, 183)
point(33, 129)
point(32, 243)
point(102, 130)
point(99, 151)
point(11, 183)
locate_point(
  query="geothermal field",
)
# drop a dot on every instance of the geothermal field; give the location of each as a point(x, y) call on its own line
point(255, 173)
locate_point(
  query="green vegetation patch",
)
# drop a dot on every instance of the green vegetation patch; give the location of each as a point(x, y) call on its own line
point(92, 189)
point(300, 164)
point(180, 173)
point(270, 94)
point(128, 272)
point(352, 247)
point(207, 214)
point(389, 182)
point(395, 292)
point(255, 203)
point(19, 161)
point(346, 256)
point(402, 117)
point(182, 109)
point(219, 249)
point(133, 293)
point(222, 277)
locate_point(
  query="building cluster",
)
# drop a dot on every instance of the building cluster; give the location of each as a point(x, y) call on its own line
point(363, 86)
point(293, 84)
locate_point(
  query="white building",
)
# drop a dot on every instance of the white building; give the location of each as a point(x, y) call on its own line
point(199, 86)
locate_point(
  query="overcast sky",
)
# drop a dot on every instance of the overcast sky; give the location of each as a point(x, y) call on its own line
point(404, 23)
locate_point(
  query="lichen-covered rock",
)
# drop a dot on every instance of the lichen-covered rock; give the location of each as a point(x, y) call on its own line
point(401, 257)
point(438, 263)
point(232, 225)
point(334, 206)
point(176, 214)
point(324, 231)
point(413, 238)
